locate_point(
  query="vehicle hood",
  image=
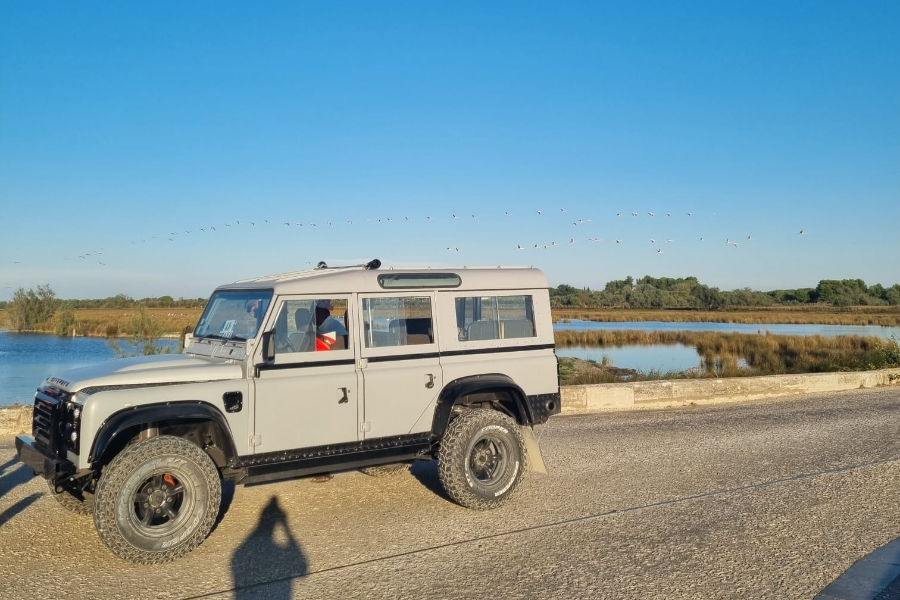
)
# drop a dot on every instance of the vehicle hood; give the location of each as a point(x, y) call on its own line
point(165, 368)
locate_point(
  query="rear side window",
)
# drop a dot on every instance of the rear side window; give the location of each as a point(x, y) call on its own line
point(481, 318)
point(404, 321)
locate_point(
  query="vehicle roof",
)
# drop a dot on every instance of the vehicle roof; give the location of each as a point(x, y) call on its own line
point(343, 280)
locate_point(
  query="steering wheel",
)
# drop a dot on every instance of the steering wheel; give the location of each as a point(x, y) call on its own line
point(282, 343)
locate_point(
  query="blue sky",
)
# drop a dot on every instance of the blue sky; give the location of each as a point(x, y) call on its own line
point(123, 125)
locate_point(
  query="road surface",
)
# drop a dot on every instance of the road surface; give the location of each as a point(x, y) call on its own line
point(758, 500)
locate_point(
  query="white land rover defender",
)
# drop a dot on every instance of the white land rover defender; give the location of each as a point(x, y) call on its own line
point(298, 374)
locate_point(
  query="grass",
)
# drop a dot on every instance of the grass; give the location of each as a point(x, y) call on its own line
point(764, 353)
point(111, 322)
point(856, 315)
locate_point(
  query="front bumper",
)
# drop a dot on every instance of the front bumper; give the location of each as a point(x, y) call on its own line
point(42, 462)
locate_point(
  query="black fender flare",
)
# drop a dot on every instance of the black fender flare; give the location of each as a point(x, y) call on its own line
point(490, 382)
point(170, 412)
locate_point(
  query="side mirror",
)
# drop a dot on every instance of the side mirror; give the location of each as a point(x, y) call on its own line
point(268, 345)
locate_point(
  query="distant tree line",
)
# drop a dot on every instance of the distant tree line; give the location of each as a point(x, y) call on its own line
point(689, 293)
point(35, 309)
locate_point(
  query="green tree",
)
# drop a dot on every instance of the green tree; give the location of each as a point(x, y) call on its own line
point(30, 308)
point(64, 320)
point(145, 331)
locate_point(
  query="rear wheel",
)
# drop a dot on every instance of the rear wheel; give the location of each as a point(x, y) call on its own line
point(157, 500)
point(481, 459)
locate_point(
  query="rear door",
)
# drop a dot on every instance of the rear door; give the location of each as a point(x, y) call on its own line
point(400, 364)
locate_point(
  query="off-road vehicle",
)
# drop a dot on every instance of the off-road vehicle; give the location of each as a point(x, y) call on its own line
point(298, 374)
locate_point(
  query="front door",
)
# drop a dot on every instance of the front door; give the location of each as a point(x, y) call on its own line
point(309, 395)
point(401, 367)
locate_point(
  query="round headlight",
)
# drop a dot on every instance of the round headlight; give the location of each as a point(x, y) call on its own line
point(74, 436)
point(76, 413)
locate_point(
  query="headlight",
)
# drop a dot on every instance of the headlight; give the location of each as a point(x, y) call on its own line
point(73, 425)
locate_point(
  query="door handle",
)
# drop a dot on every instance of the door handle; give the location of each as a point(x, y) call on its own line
point(344, 399)
point(429, 383)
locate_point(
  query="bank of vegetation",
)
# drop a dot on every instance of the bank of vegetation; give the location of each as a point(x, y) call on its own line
point(735, 354)
point(143, 321)
point(684, 298)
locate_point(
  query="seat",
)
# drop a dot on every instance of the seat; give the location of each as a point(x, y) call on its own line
point(301, 339)
point(517, 328)
point(483, 330)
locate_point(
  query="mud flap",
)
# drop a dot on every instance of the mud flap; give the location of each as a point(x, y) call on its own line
point(535, 460)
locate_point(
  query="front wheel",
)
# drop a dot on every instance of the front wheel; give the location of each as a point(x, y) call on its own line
point(80, 506)
point(481, 459)
point(157, 500)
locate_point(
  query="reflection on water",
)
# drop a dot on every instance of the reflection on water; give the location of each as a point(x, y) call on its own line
point(658, 357)
point(778, 329)
point(28, 359)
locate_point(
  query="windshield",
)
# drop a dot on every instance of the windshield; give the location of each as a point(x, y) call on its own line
point(234, 314)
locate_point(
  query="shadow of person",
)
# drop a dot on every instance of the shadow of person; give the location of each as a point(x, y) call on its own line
point(265, 564)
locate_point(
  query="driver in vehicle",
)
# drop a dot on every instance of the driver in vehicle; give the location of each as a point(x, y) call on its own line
point(330, 333)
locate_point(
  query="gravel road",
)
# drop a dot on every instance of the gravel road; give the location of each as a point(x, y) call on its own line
point(756, 500)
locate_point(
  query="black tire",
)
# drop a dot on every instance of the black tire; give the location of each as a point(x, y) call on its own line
point(482, 459)
point(385, 470)
point(157, 500)
point(71, 503)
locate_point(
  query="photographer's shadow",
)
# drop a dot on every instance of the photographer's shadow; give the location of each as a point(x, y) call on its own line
point(267, 562)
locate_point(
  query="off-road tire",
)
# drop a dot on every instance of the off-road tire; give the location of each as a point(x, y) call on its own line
point(475, 440)
point(71, 503)
point(186, 483)
point(385, 470)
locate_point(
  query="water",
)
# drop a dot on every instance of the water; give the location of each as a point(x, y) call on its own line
point(678, 357)
point(662, 357)
point(27, 359)
point(778, 329)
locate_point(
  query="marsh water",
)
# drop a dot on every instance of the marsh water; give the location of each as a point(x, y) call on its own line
point(27, 359)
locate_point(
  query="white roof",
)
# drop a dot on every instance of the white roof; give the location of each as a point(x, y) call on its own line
point(344, 280)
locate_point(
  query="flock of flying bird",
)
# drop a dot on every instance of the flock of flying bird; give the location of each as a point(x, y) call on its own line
point(94, 255)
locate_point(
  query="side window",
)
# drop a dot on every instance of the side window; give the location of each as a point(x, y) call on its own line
point(405, 321)
point(311, 326)
point(494, 317)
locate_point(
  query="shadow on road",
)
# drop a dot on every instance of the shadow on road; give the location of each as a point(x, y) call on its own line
point(16, 508)
point(426, 471)
point(266, 563)
point(227, 498)
point(12, 476)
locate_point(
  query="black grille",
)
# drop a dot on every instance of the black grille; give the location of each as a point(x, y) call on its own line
point(45, 422)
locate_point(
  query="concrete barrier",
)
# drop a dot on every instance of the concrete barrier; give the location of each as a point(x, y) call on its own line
point(685, 392)
point(645, 394)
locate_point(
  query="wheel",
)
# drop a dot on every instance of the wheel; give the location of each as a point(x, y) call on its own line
point(282, 343)
point(157, 500)
point(73, 504)
point(481, 459)
point(385, 470)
